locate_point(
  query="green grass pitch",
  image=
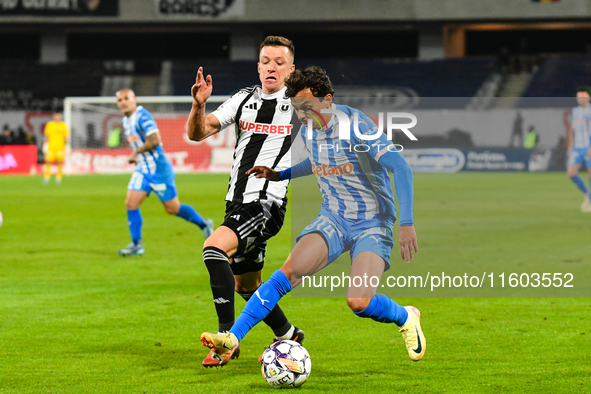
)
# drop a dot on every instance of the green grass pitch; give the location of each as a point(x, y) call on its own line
point(77, 318)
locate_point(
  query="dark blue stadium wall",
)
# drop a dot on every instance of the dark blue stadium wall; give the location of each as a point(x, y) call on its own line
point(441, 78)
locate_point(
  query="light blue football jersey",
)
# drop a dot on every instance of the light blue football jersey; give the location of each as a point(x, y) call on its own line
point(580, 119)
point(137, 128)
point(353, 184)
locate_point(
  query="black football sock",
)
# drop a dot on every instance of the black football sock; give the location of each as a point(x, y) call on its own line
point(221, 280)
point(276, 319)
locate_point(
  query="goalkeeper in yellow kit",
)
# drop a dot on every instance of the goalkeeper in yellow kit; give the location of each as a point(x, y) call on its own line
point(56, 137)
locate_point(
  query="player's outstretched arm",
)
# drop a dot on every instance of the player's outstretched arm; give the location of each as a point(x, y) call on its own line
point(301, 169)
point(264, 172)
point(200, 126)
point(403, 183)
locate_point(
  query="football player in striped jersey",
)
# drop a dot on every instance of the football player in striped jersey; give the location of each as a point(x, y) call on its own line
point(579, 145)
point(255, 208)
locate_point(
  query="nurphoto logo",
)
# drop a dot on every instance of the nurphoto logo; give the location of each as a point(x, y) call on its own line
point(345, 127)
point(345, 124)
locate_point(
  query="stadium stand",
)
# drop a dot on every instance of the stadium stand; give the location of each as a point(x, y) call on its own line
point(21, 88)
point(557, 77)
point(440, 78)
point(33, 86)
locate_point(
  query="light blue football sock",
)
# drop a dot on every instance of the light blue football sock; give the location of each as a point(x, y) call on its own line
point(189, 213)
point(384, 310)
point(579, 182)
point(134, 221)
point(261, 303)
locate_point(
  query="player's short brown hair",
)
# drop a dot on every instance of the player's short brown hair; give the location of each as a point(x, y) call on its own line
point(313, 78)
point(278, 41)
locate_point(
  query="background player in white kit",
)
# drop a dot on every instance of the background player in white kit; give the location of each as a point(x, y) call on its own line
point(579, 145)
point(255, 208)
point(153, 173)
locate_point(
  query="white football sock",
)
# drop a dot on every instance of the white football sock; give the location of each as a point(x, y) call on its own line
point(288, 334)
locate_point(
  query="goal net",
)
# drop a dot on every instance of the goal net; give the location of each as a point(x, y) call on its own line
point(98, 143)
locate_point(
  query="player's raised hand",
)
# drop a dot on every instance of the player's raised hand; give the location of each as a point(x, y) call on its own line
point(407, 239)
point(264, 172)
point(202, 88)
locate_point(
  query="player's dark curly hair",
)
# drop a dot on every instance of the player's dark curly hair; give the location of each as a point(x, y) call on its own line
point(584, 88)
point(313, 77)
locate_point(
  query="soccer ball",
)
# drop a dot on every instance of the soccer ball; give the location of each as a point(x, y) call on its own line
point(286, 364)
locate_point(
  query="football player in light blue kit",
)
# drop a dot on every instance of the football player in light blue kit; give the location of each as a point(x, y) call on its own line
point(579, 145)
point(153, 173)
point(357, 215)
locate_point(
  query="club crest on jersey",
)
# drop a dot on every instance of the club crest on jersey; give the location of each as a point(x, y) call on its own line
point(284, 108)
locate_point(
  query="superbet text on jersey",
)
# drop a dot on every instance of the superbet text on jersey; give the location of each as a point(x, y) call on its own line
point(263, 138)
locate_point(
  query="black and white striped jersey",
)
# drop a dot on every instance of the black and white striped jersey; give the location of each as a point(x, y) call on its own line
point(263, 138)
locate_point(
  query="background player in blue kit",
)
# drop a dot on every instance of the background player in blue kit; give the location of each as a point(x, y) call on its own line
point(579, 145)
point(153, 173)
point(357, 215)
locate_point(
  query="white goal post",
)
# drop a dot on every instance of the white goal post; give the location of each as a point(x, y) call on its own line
point(98, 143)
